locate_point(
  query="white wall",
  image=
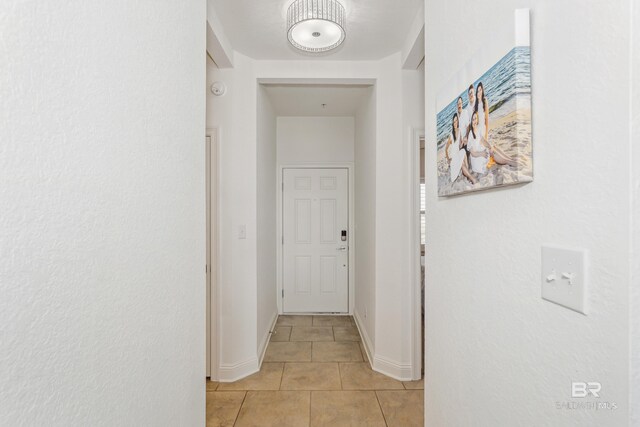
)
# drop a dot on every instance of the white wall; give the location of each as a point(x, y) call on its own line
point(266, 226)
point(412, 99)
point(634, 322)
point(103, 222)
point(235, 114)
point(315, 140)
point(496, 353)
point(365, 218)
point(401, 105)
point(393, 204)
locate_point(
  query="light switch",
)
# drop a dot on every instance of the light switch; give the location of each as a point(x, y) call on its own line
point(564, 277)
point(242, 232)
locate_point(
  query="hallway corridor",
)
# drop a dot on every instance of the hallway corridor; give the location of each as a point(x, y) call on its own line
point(315, 373)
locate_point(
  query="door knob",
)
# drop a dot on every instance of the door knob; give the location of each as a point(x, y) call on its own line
point(342, 248)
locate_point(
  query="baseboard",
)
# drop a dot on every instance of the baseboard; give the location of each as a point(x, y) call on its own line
point(382, 364)
point(366, 341)
point(392, 369)
point(235, 372)
point(265, 340)
point(230, 373)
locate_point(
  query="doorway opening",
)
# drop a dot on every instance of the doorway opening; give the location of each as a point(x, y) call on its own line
point(418, 231)
point(211, 198)
point(320, 132)
point(423, 241)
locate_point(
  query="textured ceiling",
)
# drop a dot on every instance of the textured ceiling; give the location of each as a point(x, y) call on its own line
point(304, 100)
point(375, 28)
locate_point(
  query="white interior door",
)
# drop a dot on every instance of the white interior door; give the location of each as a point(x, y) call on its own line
point(315, 240)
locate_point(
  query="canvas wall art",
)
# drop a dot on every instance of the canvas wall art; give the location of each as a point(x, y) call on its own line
point(484, 116)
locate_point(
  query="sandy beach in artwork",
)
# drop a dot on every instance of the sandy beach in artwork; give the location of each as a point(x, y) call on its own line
point(503, 93)
point(511, 133)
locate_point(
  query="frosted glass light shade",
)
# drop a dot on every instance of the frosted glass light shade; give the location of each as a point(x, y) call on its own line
point(316, 25)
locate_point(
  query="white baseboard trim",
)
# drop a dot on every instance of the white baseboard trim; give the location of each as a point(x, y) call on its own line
point(368, 346)
point(235, 372)
point(381, 364)
point(392, 369)
point(265, 340)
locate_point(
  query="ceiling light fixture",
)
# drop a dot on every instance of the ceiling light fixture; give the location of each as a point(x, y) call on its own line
point(316, 25)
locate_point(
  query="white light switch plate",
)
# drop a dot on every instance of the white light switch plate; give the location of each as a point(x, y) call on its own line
point(564, 277)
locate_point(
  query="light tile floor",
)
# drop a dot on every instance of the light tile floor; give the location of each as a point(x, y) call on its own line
point(315, 373)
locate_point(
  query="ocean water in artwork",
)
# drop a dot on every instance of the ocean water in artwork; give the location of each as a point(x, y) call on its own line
point(507, 87)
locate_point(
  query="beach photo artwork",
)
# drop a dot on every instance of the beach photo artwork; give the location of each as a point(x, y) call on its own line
point(484, 116)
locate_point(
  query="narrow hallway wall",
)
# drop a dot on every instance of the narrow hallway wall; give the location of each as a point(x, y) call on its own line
point(102, 224)
point(267, 240)
point(365, 219)
point(497, 353)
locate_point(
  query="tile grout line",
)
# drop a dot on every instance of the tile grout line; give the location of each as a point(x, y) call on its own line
point(310, 398)
point(282, 376)
point(311, 391)
point(381, 411)
point(240, 409)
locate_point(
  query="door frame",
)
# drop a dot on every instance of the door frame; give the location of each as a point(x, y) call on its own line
point(280, 219)
point(213, 302)
point(415, 135)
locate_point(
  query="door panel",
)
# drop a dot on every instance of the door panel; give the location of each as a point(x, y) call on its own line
point(328, 224)
point(303, 221)
point(303, 275)
point(315, 259)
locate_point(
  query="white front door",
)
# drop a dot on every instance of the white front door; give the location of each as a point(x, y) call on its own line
point(315, 240)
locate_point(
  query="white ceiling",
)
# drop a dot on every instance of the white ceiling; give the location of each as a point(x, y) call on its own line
point(375, 28)
point(305, 100)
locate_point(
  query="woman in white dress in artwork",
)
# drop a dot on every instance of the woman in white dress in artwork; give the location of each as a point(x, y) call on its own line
point(482, 107)
point(481, 151)
point(456, 154)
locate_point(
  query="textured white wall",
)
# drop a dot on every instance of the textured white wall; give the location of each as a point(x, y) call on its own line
point(235, 116)
point(315, 140)
point(400, 108)
point(266, 227)
point(634, 400)
point(393, 311)
point(365, 217)
point(497, 354)
point(102, 228)
point(412, 100)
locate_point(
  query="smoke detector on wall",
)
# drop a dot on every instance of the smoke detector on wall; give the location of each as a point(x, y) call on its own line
point(218, 88)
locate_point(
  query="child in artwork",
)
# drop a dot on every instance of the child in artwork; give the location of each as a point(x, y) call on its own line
point(482, 107)
point(455, 153)
point(464, 119)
